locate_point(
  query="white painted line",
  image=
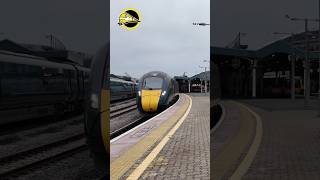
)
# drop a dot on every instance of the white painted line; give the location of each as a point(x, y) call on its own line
point(248, 159)
point(142, 124)
point(146, 162)
point(221, 118)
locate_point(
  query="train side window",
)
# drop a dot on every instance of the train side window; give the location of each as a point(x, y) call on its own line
point(9, 68)
point(72, 74)
point(112, 83)
point(33, 70)
point(50, 71)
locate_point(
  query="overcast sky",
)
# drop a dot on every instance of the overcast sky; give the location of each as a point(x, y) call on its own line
point(79, 24)
point(259, 19)
point(166, 40)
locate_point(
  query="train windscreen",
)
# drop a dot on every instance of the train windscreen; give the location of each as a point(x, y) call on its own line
point(152, 83)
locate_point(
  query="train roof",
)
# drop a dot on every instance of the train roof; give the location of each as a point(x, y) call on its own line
point(113, 79)
point(35, 60)
point(10, 53)
point(156, 74)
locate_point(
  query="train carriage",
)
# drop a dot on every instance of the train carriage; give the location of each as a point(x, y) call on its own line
point(33, 87)
point(121, 89)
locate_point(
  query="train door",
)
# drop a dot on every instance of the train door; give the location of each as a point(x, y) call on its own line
point(81, 84)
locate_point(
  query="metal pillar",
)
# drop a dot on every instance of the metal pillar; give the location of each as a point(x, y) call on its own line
point(307, 86)
point(319, 53)
point(205, 86)
point(319, 56)
point(304, 79)
point(254, 78)
point(319, 78)
point(189, 86)
point(292, 76)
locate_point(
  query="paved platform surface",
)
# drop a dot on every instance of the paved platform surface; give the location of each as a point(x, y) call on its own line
point(187, 153)
point(135, 144)
point(290, 147)
point(231, 140)
point(290, 144)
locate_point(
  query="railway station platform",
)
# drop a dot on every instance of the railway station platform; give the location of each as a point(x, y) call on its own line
point(267, 139)
point(173, 145)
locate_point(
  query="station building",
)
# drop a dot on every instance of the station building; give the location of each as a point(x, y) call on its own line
point(199, 83)
point(266, 72)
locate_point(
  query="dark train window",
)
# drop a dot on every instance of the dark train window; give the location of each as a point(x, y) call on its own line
point(50, 71)
point(116, 86)
point(8, 68)
point(72, 74)
point(32, 70)
point(153, 83)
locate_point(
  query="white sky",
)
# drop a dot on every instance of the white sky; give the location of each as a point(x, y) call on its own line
point(80, 24)
point(166, 40)
point(259, 19)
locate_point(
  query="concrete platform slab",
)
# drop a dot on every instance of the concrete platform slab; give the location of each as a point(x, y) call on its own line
point(187, 153)
point(136, 143)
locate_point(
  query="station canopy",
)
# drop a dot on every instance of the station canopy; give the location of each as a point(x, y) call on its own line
point(202, 76)
point(281, 46)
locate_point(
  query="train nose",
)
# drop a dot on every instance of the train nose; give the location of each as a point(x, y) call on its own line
point(150, 100)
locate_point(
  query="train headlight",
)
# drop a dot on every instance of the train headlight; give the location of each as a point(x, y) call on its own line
point(163, 93)
point(94, 101)
point(139, 93)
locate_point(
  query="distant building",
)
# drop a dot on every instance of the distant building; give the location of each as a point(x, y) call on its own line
point(183, 82)
point(197, 83)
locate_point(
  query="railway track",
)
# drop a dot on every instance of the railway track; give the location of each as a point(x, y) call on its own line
point(122, 110)
point(135, 122)
point(114, 104)
point(129, 126)
point(27, 160)
point(37, 123)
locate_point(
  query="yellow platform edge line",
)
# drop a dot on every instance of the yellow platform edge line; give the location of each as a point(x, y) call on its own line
point(122, 164)
point(147, 161)
point(248, 159)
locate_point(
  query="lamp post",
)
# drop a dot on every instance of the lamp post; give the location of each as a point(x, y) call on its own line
point(307, 60)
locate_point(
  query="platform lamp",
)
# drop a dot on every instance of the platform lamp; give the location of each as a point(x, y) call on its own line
point(200, 24)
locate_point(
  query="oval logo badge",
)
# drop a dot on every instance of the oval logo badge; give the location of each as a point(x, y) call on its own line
point(129, 18)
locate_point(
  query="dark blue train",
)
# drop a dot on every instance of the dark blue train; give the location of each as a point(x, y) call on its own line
point(34, 87)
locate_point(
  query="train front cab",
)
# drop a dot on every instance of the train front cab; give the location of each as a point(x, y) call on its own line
point(153, 93)
point(97, 112)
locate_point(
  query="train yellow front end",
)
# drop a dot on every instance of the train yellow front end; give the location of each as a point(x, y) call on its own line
point(150, 100)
